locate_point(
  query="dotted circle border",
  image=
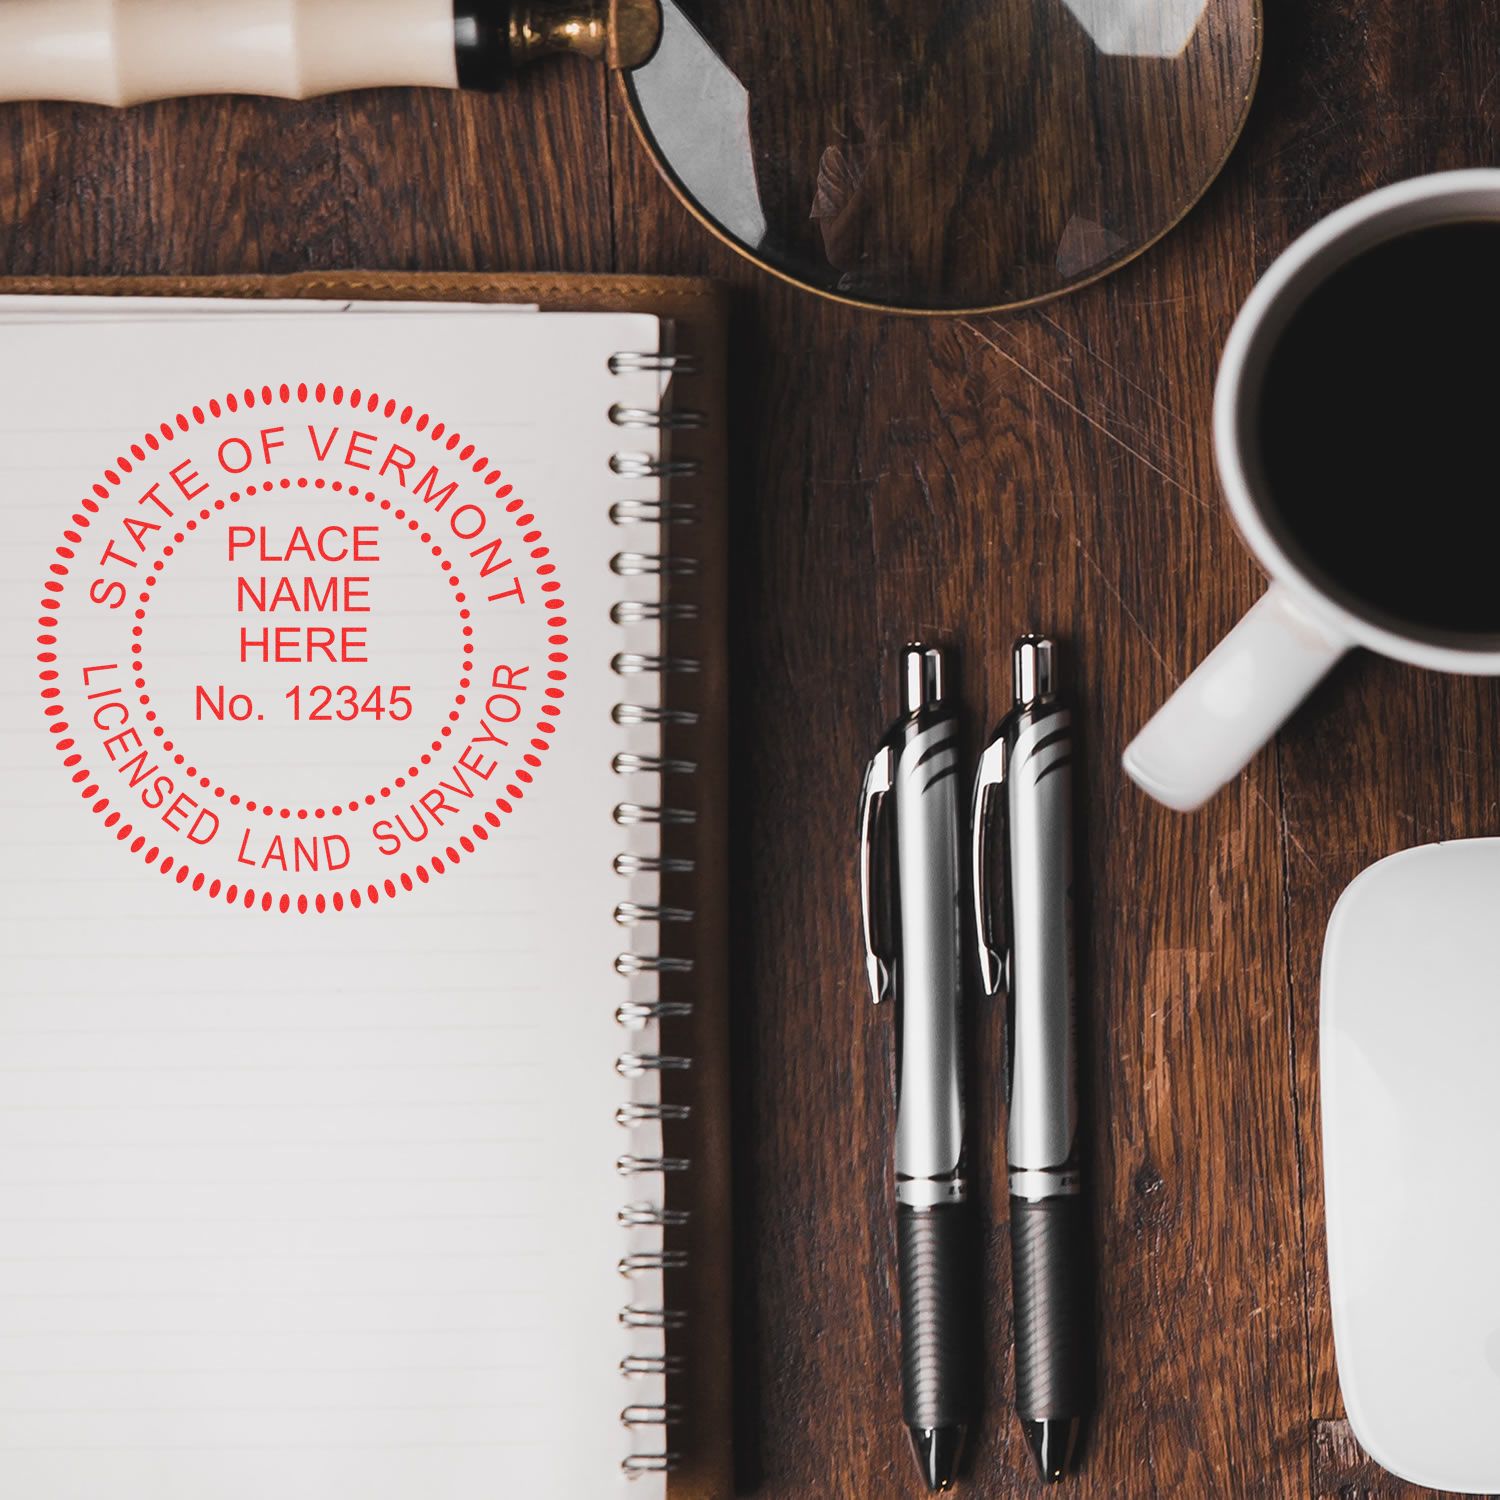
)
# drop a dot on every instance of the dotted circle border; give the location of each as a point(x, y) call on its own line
point(354, 897)
point(252, 804)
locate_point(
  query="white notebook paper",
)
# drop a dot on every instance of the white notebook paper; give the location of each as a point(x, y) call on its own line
point(308, 1083)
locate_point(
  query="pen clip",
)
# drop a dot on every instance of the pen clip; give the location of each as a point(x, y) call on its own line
point(872, 910)
point(986, 819)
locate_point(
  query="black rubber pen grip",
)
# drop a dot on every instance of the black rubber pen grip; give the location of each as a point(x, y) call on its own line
point(1054, 1370)
point(935, 1255)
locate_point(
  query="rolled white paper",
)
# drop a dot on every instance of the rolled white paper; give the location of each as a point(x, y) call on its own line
point(126, 51)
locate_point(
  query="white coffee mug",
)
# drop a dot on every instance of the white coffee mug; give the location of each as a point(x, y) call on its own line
point(1208, 730)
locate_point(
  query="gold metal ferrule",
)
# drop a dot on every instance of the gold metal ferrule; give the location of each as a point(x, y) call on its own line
point(622, 33)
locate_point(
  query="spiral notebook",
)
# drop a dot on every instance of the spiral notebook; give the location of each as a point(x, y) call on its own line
point(362, 1098)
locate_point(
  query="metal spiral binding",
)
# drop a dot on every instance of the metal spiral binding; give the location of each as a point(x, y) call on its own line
point(635, 363)
point(625, 764)
point(652, 1260)
point(646, 713)
point(638, 1015)
point(683, 419)
point(638, 564)
point(634, 1166)
point(643, 1114)
point(634, 913)
point(633, 1316)
point(636, 1064)
point(633, 663)
point(654, 512)
point(631, 964)
point(636, 1464)
point(651, 1216)
point(642, 611)
point(636, 1366)
point(628, 814)
point(644, 466)
point(651, 864)
point(659, 1415)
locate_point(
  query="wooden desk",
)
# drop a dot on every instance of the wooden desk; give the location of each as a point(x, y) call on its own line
point(961, 480)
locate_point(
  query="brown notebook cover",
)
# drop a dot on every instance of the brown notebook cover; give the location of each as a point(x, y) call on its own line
point(696, 313)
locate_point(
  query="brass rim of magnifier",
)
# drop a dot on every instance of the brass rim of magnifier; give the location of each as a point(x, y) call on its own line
point(681, 193)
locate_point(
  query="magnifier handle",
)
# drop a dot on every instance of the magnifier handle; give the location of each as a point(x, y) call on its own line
point(126, 51)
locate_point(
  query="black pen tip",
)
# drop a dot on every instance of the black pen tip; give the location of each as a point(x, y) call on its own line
point(937, 1451)
point(1052, 1441)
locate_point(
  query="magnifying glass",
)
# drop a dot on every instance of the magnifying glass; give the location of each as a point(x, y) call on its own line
point(917, 155)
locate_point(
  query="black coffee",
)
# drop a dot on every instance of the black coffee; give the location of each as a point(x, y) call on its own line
point(1379, 432)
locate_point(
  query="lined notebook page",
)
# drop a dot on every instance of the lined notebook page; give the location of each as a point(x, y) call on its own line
point(308, 1146)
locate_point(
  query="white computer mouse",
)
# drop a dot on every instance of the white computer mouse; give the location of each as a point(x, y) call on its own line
point(1410, 1037)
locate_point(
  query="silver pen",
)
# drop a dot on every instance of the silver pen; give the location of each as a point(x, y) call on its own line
point(1023, 824)
point(911, 872)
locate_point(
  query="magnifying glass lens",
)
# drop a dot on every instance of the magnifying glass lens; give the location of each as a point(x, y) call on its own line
point(946, 154)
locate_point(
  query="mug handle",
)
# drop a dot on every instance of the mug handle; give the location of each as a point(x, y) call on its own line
point(1206, 732)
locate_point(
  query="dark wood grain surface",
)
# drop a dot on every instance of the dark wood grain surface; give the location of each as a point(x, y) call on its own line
point(963, 480)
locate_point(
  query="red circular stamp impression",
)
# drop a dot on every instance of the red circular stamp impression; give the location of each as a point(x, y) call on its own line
point(302, 649)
